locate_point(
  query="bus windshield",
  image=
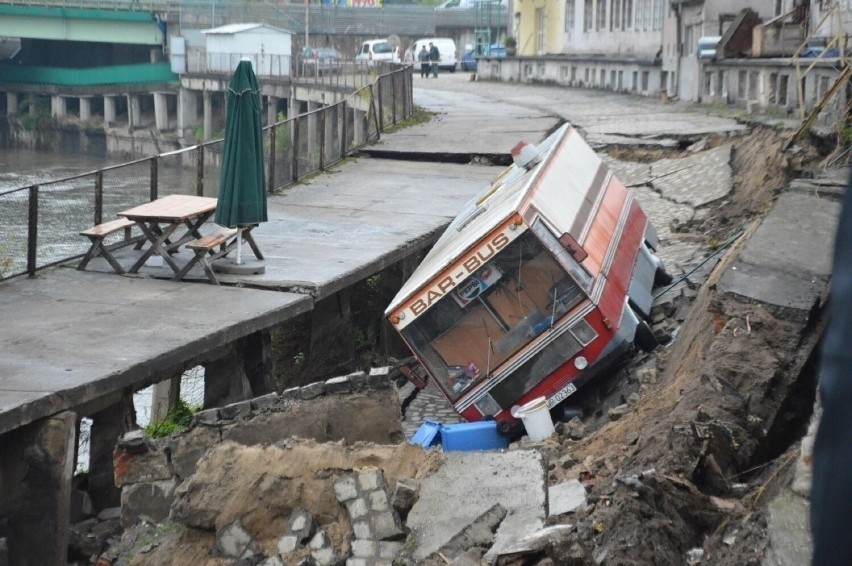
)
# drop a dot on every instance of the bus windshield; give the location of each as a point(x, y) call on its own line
point(471, 331)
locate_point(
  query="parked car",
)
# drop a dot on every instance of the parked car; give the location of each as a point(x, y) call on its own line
point(468, 60)
point(374, 50)
point(320, 60)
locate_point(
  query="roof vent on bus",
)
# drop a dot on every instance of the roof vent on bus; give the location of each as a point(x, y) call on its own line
point(525, 155)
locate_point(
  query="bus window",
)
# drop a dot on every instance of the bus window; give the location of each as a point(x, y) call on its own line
point(470, 332)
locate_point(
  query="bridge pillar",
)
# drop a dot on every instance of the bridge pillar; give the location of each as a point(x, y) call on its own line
point(164, 396)
point(11, 103)
point(109, 111)
point(225, 380)
point(187, 112)
point(313, 133)
point(36, 467)
point(161, 111)
point(134, 111)
point(85, 108)
point(107, 427)
point(207, 99)
point(58, 106)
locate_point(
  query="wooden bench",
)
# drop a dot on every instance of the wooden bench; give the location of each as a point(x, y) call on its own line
point(205, 252)
point(97, 235)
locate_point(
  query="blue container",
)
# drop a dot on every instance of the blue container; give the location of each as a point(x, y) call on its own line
point(428, 435)
point(481, 435)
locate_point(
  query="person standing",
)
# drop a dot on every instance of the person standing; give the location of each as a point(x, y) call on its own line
point(423, 57)
point(434, 58)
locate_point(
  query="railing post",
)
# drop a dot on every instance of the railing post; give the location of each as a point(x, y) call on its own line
point(322, 137)
point(294, 144)
point(344, 133)
point(154, 179)
point(271, 175)
point(199, 171)
point(380, 115)
point(32, 230)
point(393, 96)
point(99, 197)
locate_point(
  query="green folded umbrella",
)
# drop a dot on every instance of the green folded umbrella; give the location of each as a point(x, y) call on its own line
point(242, 185)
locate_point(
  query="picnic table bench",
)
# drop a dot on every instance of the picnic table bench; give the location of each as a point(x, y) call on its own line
point(98, 233)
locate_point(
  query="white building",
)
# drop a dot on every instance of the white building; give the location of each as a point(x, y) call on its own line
point(268, 48)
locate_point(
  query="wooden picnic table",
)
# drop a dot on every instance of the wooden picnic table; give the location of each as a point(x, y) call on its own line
point(160, 218)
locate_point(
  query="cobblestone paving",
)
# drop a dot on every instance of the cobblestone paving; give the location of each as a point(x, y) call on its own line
point(697, 179)
point(664, 213)
point(429, 404)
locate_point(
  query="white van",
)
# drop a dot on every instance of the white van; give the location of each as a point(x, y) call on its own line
point(374, 50)
point(446, 49)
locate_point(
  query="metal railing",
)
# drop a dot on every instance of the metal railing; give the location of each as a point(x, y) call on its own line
point(40, 224)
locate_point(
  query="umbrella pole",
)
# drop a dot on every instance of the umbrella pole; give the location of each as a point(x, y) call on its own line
point(239, 245)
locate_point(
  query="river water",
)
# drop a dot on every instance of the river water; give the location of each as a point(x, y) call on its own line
point(21, 168)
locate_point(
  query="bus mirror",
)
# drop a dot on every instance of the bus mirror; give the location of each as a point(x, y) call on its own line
point(569, 243)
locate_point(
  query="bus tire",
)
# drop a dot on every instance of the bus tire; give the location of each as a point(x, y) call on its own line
point(662, 277)
point(644, 338)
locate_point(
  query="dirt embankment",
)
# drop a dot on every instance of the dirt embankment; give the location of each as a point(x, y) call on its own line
point(691, 465)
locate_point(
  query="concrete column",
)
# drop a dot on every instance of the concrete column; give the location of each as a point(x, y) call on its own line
point(109, 111)
point(161, 111)
point(225, 381)
point(271, 110)
point(208, 115)
point(36, 467)
point(331, 323)
point(187, 112)
point(164, 396)
point(85, 108)
point(257, 362)
point(312, 135)
point(134, 111)
point(11, 103)
point(359, 131)
point(107, 426)
point(58, 108)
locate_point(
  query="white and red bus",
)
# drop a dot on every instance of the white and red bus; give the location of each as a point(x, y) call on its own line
point(540, 281)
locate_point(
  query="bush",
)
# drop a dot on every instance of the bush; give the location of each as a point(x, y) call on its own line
point(177, 420)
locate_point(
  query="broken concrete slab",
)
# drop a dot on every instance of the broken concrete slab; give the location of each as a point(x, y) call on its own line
point(536, 541)
point(459, 493)
point(764, 271)
point(566, 497)
point(695, 180)
point(477, 535)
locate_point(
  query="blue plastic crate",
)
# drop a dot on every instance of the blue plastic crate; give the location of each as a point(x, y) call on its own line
point(428, 435)
point(481, 435)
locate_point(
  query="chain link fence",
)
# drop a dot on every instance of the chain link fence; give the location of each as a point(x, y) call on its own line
point(40, 224)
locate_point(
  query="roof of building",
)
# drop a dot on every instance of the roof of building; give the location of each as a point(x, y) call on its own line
point(231, 29)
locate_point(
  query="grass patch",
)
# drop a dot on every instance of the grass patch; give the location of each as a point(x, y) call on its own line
point(418, 116)
point(177, 420)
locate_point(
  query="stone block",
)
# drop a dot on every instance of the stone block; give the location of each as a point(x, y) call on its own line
point(389, 549)
point(338, 385)
point(345, 489)
point(234, 541)
point(135, 442)
point(385, 527)
point(207, 417)
point(312, 391)
point(320, 541)
point(379, 378)
point(404, 496)
point(272, 561)
point(364, 548)
point(234, 410)
point(358, 379)
point(379, 500)
point(187, 448)
point(152, 500)
point(301, 525)
point(617, 412)
point(368, 481)
point(566, 497)
point(325, 556)
point(357, 508)
point(357, 562)
point(287, 544)
point(140, 467)
point(109, 513)
point(292, 393)
point(264, 401)
point(362, 530)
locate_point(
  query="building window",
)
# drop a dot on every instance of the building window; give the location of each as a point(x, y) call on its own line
point(601, 25)
point(742, 80)
point(612, 76)
point(635, 83)
point(586, 75)
point(573, 74)
point(563, 73)
point(783, 82)
point(628, 14)
point(752, 85)
point(541, 18)
point(587, 15)
point(658, 14)
point(645, 79)
point(773, 85)
point(570, 5)
point(708, 83)
point(689, 41)
point(615, 15)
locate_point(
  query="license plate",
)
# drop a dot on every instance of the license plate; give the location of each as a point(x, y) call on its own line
point(561, 395)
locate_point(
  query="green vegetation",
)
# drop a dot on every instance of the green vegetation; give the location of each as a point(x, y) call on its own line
point(177, 420)
point(419, 115)
point(35, 114)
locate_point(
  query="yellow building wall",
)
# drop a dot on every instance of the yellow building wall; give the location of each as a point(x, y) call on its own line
point(554, 36)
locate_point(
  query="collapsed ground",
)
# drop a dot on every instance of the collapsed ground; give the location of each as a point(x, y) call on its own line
point(713, 418)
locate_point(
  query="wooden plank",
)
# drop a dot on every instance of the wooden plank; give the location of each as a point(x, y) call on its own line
point(108, 228)
point(172, 208)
